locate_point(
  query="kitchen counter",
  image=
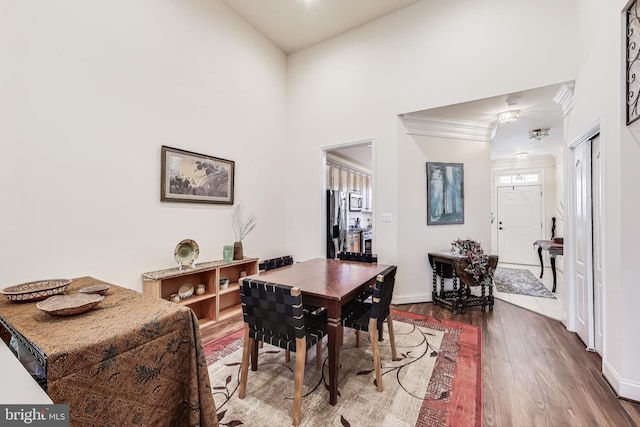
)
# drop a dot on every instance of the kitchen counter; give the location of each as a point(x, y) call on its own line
point(360, 230)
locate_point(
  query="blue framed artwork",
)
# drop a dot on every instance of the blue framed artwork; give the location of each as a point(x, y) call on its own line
point(445, 193)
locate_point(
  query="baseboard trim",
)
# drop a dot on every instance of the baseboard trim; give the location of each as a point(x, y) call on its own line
point(412, 298)
point(624, 389)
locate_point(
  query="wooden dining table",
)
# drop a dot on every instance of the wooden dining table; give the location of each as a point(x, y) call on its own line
point(328, 283)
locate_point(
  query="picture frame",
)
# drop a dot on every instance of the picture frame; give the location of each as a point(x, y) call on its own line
point(191, 177)
point(632, 37)
point(445, 193)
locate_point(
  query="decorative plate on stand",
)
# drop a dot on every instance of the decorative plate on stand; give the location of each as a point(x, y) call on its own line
point(186, 253)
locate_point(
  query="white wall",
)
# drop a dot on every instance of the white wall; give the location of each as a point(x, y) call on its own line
point(415, 238)
point(599, 96)
point(353, 87)
point(90, 92)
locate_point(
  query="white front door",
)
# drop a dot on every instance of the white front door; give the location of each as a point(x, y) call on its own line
point(519, 223)
point(582, 230)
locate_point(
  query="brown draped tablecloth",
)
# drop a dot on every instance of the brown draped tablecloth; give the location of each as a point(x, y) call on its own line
point(131, 360)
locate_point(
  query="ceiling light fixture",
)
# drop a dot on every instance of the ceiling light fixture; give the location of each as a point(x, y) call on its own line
point(538, 133)
point(509, 116)
point(522, 156)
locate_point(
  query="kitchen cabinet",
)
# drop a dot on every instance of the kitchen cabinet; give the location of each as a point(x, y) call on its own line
point(367, 194)
point(353, 180)
point(353, 241)
point(334, 172)
point(214, 304)
point(342, 177)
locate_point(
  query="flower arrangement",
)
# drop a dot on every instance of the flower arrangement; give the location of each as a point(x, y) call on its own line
point(478, 261)
point(241, 226)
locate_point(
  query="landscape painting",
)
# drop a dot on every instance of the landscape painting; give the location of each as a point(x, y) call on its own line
point(445, 193)
point(195, 178)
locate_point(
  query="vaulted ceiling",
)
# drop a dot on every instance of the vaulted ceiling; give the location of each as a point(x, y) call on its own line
point(297, 24)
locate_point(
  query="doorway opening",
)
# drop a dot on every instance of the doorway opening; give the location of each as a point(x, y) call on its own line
point(348, 198)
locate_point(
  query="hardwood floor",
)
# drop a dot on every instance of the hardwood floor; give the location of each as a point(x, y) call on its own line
point(535, 372)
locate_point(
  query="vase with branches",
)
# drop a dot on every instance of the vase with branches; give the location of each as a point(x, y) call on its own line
point(242, 227)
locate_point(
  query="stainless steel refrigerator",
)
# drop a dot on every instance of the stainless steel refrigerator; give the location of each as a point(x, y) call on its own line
point(337, 226)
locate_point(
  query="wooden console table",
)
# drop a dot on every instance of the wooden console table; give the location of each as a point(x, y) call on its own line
point(215, 304)
point(131, 360)
point(555, 248)
point(446, 265)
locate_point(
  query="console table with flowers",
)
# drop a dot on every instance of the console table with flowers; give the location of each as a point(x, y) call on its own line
point(468, 266)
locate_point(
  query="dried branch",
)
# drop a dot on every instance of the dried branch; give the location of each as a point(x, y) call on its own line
point(240, 226)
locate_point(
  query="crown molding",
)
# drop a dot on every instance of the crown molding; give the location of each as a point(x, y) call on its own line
point(533, 161)
point(448, 128)
point(564, 97)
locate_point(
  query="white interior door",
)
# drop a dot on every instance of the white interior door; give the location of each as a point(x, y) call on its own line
point(596, 194)
point(519, 223)
point(582, 250)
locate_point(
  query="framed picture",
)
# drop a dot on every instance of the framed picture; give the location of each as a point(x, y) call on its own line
point(445, 193)
point(632, 32)
point(195, 178)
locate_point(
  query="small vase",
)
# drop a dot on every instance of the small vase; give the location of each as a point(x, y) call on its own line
point(237, 251)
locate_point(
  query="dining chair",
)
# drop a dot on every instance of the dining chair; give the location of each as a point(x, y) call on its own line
point(370, 316)
point(272, 263)
point(283, 261)
point(358, 256)
point(273, 314)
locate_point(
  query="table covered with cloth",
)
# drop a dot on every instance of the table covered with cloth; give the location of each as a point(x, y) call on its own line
point(132, 360)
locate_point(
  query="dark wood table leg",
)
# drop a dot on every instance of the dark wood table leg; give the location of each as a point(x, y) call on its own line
point(254, 355)
point(442, 294)
point(491, 295)
point(553, 271)
point(457, 293)
point(334, 327)
point(434, 293)
point(541, 263)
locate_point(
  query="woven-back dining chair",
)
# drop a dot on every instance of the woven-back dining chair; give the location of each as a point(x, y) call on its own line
point(273, 314)
point(358, 256)
point(272, 263)
point(370, 316)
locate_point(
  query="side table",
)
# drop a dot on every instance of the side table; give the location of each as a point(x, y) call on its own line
point(443, 265)
point(446, 265)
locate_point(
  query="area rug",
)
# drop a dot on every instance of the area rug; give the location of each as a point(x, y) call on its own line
point(435, 381)
point(520, 281)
